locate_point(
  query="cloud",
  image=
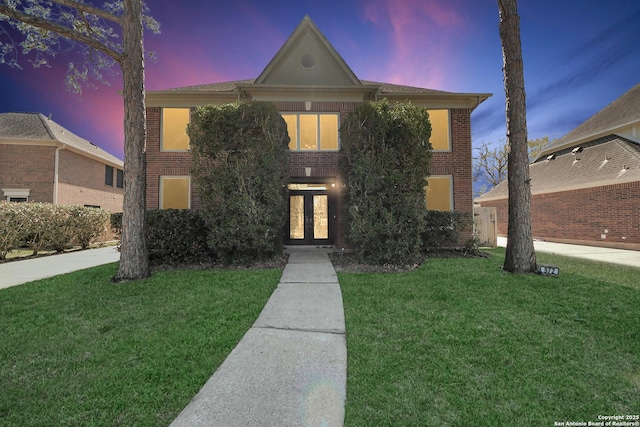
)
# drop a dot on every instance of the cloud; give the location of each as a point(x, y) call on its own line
point(421, 37)
point(591, 60)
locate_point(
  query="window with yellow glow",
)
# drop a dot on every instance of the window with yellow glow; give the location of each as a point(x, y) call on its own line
point(174, 129)
point(440, 193)
point(174, 192)
point(440, 130)
point(312, 132)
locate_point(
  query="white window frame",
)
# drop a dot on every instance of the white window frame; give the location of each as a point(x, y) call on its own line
point(160, 191)
point(165, 150)
point(16, 193)
point(318, 135)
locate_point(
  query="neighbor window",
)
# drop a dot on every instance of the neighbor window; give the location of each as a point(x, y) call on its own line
point(312, 132)
point(119, 178)
point(17, 195)
point(174, 192)
point(174, 129)
point(440, 130)
point(440, 193)
point(108, 175)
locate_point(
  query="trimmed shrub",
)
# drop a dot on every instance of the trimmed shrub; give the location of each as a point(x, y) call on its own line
point(174, 236)
point(13, 226)
point(385, 166)
point(47, 226)
point(241, 170)
point(90, 224)
point(177, 236)
point(443, 228)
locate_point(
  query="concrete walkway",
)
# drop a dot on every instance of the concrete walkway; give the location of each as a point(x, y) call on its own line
point(592, 253)
point(290, 368)
point(23, 271)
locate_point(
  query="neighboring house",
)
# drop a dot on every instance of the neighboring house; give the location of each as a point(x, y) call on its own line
point(40, 161)
point(586, 185)
point(314, 89)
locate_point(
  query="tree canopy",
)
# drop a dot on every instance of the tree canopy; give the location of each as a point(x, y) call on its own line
point(103, 36)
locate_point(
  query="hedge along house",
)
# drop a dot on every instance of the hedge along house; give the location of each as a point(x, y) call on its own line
point(314, 89)
point(41, 161)
point(586, 185)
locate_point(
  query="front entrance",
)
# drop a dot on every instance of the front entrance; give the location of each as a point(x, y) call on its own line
point(310, 215)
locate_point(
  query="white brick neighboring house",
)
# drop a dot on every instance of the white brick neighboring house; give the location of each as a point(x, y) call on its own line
point(41, 161)
point(586, 185)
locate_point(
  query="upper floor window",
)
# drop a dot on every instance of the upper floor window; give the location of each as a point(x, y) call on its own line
point(174, 129)
point(119, 178)
point(108, 175)
point(312, 131)
point(440, 130)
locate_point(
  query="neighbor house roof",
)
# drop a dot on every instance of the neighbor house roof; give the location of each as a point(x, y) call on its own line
point(622, 113)
point(35, 127)
point(605, 161)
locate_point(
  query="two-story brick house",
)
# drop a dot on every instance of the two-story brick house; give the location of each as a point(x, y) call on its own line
point(41, 161)
point(314, 89)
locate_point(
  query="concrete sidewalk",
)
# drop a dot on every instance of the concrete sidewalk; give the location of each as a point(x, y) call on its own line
point(290, 368)
point(23, 271)
point(592, 253)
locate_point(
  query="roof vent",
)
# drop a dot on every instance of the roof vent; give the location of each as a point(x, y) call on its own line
point(576, 150)
point(551, 157)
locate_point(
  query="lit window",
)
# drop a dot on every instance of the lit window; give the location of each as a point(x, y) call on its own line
point(440, 193)
point(174, 129)
point(440, 130)
point(174, 192)
point(312, 132)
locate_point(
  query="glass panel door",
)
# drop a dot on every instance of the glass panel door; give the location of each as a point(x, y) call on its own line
point(320, 216)
point(309, 215)
point(296, 217)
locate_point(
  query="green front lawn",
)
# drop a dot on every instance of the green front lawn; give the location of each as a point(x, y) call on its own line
point(457, 342)
point(78, 350)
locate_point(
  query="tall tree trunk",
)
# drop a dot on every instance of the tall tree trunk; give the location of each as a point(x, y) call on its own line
point(134, 259)
point(520, 255)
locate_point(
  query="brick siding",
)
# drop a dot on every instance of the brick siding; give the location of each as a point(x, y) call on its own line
point(322, 165)
point(29, 167)
point(584, 216)
point(81, 181)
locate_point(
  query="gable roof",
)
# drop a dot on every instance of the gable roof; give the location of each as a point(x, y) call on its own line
point(36, 127)
point(621, 113)
point(605, 161)
point(307, 58)
point(307, 67)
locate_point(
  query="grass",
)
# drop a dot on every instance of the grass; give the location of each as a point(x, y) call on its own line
point(78, 350)
point(458, 343)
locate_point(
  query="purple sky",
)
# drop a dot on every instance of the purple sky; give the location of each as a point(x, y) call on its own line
point(579, 55)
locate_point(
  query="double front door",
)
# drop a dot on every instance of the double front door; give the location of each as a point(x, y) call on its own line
point(309, 215)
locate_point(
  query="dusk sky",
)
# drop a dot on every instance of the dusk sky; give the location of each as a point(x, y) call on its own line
point(579, 55)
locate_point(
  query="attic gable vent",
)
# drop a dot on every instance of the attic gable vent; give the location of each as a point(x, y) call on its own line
point(576, 150)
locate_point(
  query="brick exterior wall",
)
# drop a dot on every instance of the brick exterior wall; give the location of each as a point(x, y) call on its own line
point(323, 166)
point(458, 163)
point(584, 216)
point(29, 167)
point(81, 181)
